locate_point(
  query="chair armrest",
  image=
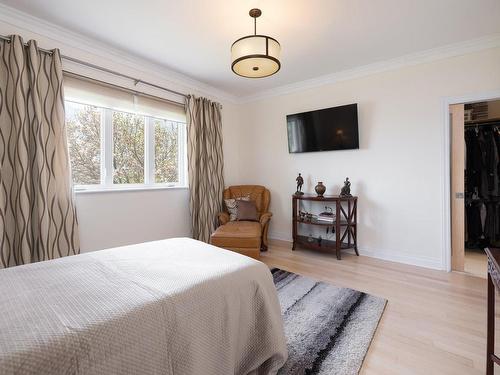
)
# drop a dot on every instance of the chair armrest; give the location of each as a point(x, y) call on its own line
point(223, 218)
point(265, 217)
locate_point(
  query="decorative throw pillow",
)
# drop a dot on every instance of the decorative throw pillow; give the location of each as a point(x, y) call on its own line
point(232, 208)
point(246, 210)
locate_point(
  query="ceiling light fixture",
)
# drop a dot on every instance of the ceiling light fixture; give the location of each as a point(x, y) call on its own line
point(255, 56)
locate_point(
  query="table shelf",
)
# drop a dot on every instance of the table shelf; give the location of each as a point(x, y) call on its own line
point(345, 224)
point(325, 244)
point(342, 223)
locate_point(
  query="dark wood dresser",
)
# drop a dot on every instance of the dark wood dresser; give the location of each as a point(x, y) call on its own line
point(493, 283)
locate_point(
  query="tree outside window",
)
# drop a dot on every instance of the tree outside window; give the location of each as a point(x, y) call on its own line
point(100, 137)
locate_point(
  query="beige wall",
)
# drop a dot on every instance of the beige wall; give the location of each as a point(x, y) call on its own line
point(398, 170)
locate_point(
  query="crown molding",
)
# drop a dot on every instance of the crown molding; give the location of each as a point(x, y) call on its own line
point(435, 54)
point(35, 25)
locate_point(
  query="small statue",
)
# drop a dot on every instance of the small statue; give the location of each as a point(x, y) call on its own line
point(300, 182)
point(346, 189)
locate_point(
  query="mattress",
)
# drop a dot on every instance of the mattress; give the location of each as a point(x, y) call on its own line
point(175, 306)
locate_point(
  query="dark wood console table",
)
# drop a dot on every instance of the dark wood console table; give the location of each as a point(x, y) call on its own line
point(344, 224)
point(493, 282)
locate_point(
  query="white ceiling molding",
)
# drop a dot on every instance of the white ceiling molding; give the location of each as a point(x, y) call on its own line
point(178, 81)
point(440, 53)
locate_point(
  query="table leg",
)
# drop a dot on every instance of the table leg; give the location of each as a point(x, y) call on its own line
point(355, 229)
point(337, 230)
point(294, 222)
point(490, 340)
point(348, 223)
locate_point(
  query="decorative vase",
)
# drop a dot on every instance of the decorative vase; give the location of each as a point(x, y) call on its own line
point(320, 189)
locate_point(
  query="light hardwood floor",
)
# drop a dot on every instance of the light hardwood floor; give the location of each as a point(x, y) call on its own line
point(434, 322)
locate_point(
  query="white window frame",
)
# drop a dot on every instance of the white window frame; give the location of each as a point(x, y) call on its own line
point(149, 156)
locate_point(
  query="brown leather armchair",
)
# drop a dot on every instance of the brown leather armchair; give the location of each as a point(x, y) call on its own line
point(243, 236)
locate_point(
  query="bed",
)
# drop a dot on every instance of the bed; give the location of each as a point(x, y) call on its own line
point(175, 306)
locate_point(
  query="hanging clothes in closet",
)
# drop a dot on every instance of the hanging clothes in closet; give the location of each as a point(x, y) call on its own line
point(482, 189)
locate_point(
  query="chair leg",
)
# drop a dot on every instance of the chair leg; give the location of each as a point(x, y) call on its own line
point(264, 242)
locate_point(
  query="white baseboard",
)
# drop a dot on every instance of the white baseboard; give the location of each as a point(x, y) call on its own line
point(398, 257)
point(392, 256)
point(280, 236)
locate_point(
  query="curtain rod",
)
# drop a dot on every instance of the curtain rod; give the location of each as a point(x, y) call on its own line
point(90, 65)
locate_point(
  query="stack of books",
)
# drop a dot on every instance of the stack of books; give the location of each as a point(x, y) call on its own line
point(325, 218)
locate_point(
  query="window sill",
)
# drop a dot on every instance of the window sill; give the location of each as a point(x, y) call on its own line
point(121, 189)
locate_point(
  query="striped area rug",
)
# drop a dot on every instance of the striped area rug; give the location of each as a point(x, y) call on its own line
point(328, 329)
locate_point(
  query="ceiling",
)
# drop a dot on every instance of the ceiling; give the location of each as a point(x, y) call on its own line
point(318, 37)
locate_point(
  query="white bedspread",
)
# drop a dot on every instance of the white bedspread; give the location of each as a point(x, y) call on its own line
point(175, 306)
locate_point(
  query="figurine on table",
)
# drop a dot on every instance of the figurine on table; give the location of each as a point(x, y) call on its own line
point(346, 189)
point(300, 182)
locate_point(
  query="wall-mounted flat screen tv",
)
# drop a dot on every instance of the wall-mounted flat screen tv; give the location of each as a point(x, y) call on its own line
point(326, 129)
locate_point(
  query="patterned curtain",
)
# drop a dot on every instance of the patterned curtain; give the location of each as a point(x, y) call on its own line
point(205, 165)
point(37, 215)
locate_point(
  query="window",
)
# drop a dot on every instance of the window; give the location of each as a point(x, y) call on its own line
point(166, 151)
point(128, 148)
point(83, 124)
point(118, 149)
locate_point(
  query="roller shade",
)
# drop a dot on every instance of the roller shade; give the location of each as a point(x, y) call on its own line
point(101, 94)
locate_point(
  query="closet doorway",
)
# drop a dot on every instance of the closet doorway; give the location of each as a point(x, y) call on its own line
point(475, 184)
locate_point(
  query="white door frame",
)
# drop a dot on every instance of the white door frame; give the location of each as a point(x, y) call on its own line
point(446, 157)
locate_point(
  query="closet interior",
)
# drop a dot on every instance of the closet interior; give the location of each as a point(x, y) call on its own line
point(482, 183)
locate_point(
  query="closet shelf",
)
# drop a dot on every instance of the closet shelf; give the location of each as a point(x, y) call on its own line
point(482, 122)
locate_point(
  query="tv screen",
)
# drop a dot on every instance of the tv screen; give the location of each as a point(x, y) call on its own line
point(326, 129)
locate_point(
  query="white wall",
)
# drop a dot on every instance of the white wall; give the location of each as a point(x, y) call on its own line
point(231, 116)
point(110, 219)
point(398, 170)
